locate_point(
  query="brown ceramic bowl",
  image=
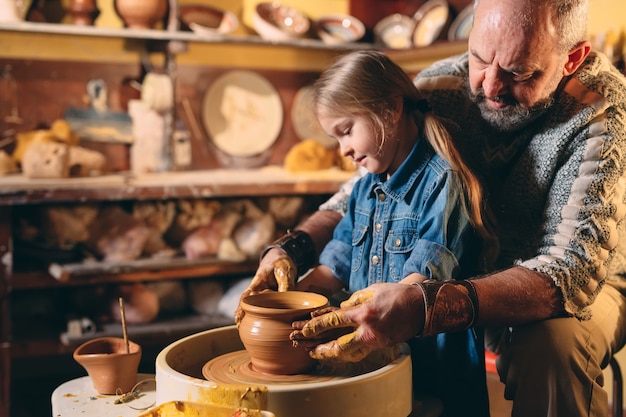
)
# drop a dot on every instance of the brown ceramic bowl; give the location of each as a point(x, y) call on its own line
point(336, 29)
point(276, 22)
point(206, 21)
point(395, 31)
point(111, 368)
point(266, 325)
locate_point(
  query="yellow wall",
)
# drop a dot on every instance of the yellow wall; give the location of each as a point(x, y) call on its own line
point(607, 15)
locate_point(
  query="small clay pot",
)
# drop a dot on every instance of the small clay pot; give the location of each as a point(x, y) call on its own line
point(82, 12)
point(266, 325)
point(111, 369)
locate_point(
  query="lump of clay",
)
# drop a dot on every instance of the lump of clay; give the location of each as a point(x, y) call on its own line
point(25, 139)
point(309, 155)
point(59, 132)
point(206, 239)
point(141, 304)
point(85, 162)
point(254, 234)
point(117, 236)
point(46, 160)
point(286, 210)
point(205, 296)
point(63, 133)
point(7, 164)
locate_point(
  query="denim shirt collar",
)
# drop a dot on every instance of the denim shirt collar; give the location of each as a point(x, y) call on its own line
point(401, 182)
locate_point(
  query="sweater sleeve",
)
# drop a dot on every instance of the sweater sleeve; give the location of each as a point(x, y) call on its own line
point(585, 202)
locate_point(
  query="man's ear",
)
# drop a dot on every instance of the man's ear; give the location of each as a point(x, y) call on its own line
point(575, 57)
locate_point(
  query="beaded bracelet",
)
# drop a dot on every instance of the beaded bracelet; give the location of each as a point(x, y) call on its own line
point(299, 246)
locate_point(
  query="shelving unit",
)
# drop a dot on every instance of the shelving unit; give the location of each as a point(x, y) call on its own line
point(18, 192)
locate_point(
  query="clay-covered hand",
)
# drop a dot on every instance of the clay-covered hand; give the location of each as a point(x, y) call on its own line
point(380, 316)
point(321, 337)
point(276, 272)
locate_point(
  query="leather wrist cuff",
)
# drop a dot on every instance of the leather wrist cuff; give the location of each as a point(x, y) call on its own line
point(449, 306)
point(299, 246)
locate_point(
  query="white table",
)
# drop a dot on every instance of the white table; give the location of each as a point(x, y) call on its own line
point(78, 397)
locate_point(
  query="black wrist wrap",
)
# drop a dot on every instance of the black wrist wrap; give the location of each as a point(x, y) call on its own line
point(299, 246)
point(449, 306)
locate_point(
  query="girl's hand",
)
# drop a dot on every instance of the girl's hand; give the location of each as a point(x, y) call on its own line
point(276, 272)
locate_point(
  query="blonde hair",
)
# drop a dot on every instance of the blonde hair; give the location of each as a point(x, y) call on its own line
point(368, 83)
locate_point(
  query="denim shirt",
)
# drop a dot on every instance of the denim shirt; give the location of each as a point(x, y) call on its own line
point(413, 222)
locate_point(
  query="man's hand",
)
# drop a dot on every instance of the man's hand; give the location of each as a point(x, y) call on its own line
point(381, 315)
point(276, 272)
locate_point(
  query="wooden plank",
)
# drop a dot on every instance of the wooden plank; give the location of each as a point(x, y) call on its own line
point(267, 181)
point(163, 268)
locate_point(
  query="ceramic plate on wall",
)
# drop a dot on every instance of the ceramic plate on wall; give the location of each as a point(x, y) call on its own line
point(243, 113)
point(462, 24)
point(431, 18)
point(304, 120)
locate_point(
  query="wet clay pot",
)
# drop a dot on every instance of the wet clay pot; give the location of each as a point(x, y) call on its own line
point(266, 325)
point(141, 14)
point(111, 369)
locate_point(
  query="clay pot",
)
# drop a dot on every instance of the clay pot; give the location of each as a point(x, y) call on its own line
point(82, 12)
point(266, 325)
point(111, 369)
point(141, 14)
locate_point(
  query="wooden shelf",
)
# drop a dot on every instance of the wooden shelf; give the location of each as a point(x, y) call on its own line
point(411, 59)
point(267, 181)
point(31, 341)
point(165, 35)
point(79, 274)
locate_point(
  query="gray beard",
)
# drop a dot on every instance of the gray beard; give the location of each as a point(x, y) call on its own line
point(512, 117)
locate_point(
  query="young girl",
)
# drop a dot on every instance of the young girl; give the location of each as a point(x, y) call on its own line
point(418, 212)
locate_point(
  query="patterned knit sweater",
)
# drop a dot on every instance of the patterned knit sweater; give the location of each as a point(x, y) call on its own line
point(557, 187)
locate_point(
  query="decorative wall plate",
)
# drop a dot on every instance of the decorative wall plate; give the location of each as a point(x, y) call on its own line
point(304, 120)
point(431, 18)
point(395, 31)
point(462, 24)
point(243, 113)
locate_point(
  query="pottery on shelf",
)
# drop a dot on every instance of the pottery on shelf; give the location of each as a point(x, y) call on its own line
point(111, 369)
point(141, 14)
point(82, 12)
point(266, 325)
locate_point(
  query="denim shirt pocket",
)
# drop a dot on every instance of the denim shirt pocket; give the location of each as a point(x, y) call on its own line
point(398, 246)
point(359, 235)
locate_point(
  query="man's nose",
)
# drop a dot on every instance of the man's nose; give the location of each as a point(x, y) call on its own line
point(494, 84)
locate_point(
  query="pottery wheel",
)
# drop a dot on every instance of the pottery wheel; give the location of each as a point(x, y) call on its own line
point(236, 368)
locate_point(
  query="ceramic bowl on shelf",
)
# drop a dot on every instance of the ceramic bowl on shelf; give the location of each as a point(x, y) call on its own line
point(462, 24)
point(208, 21)
point(430, 20)
point(395, 31)
point(334, 29)
point(274, 21)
